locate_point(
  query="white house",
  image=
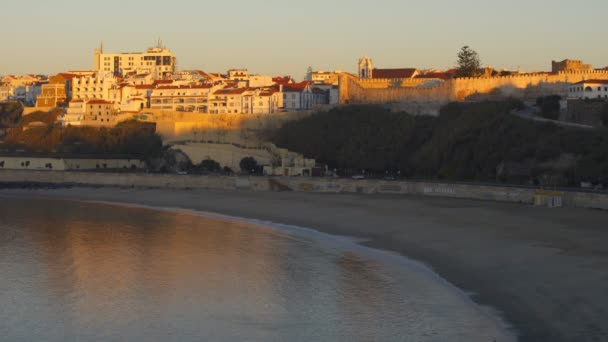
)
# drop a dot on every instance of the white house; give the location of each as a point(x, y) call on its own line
point(589, 89)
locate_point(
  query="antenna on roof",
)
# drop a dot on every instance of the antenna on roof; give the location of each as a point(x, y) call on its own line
point(159, 44)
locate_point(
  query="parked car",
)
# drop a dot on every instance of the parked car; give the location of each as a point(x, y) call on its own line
point(358, 177)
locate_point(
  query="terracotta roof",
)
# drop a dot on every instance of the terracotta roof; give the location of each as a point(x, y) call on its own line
point(295, 87)
point(204, 86)
point(282, 80)
point(98, 102)
point(144, 86)
point(230, 91)
point(444, 75)
point(593, 82)
point(163, 81)
point(66, 75)
point(393, 73)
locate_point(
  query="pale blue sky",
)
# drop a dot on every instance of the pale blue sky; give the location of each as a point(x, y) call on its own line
point(286, 36)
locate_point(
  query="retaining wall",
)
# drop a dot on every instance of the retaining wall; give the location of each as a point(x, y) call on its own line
point(321, 185)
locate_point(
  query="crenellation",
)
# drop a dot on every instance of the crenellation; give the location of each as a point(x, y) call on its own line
point(523, 86)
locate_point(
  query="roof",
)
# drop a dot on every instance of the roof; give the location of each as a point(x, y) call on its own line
point(394, 73)
point(230, 91)
point(444, 75)
point(593, 82)
point(204, 86)
point(296, 87)
point(100, 102)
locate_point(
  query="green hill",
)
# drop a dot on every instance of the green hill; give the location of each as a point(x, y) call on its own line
point(466, 142)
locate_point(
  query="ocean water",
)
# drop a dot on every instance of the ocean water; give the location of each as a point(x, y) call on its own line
point(75, 271)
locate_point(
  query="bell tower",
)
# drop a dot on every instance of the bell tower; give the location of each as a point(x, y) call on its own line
point(365, 67)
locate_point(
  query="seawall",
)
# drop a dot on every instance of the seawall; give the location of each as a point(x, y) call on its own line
point(170, 181)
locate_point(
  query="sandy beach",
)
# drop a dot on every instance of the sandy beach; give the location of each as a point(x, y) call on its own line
point(545, 270)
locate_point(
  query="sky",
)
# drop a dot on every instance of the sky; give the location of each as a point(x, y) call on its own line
point(285, 37)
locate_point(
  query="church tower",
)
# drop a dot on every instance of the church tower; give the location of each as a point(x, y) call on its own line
point(365, 67)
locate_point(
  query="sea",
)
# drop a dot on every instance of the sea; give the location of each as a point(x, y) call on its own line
point(84, 271)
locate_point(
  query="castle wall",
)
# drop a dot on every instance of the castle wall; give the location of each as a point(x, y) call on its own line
point(524, 86)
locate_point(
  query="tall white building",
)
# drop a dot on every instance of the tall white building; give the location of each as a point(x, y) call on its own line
point(96, 85)
point(157, 61)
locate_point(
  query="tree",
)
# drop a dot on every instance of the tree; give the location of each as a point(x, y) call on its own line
point(210, 165)
point(604, 115)
point(468, 63)
point(249, 165)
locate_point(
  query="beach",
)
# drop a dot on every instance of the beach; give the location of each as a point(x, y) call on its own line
point(545, 270)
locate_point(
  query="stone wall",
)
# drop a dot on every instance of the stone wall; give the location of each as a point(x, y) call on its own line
point(300, 184)
point(585, 112)
point(523, 86)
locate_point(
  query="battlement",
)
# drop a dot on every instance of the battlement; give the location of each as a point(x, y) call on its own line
point(523, 86)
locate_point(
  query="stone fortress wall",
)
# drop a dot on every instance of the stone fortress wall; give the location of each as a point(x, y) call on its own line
point(431, 93)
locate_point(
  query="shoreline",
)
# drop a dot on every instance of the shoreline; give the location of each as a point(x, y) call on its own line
point(543, 269)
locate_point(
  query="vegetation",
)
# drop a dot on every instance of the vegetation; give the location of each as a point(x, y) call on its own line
point(468, 63)
point(604, 115)
point(10, 113)
point(249, 165)
point(549, 106)
point(129, 137)
point(48, 118)
point(468, 142)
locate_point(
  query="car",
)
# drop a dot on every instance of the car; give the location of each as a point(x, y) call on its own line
point(182, 172)
point(389, 178)
point(358, 177)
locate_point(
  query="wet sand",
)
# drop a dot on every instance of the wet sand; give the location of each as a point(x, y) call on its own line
point(546, 270)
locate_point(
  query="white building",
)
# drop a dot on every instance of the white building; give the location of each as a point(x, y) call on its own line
point(96, 85)
point(589, 89)
point(187, 98)
point(303, 96)
point(95, 113)
point(157, 61)
point(245, 101)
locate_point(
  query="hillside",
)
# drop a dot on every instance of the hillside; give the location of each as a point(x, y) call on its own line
point(10, 113)
point(467, 142)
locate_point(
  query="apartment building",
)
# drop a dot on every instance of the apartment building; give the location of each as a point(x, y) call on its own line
point(158, 61)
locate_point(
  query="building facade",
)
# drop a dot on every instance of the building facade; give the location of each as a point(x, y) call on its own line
point(158, 61)
point(57, 92)
point(190, 98)
point(589, 89)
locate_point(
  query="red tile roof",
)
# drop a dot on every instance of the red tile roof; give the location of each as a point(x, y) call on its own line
point(593, 82)
point(230, 91)
point(393, 73)
point(163, 81)
point(296, 87)
point(444, 75)
point(100, 102)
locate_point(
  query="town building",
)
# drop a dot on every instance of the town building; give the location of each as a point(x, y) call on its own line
point(245, 101)
point(96, 85)
point(57, 92)
point(95, 113)
point(21, 88)
point(158, 61)
point(367, 71)
point(187, 98)
point(306, 95)
point(589, 89)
